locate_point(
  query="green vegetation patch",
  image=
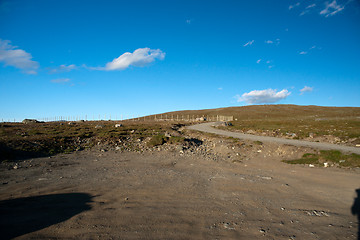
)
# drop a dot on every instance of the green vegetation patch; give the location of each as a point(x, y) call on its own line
point(333, 157)
point(157, 140)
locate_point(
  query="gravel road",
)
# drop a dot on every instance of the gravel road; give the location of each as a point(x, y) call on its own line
point(207, 127)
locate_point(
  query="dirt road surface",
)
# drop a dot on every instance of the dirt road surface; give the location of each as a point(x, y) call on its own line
point(166, 195)
point(207, 127)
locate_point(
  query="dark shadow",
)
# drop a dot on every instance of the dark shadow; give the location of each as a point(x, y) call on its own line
point(355, 209)
point(194, 142)
point(25, 215)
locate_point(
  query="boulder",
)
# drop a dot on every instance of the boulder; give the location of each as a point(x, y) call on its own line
point(27, 121)
point(118, 125)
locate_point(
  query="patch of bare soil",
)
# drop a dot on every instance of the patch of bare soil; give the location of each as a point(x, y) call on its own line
point(212, 189)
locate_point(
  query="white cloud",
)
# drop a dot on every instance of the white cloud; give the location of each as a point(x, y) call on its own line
point(12, 56)
point(63, 68)
point(188, 21)
point(331, 9)
point(249, 43)
point(258, 61)
point(139, 58)
point(295, 5)
point(220, 88)
point(276, 41)
point(306, 89)
point(263, 96)
point(61, 80)
point(302, 53)
point(311, 6)
point(304, 12)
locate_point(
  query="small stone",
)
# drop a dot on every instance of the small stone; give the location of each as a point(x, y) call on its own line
point(267, 178)
point(118, 125)
point(326, 164)
point(282, 208)
point(311, 165)
point(126, 199)
point(262, 230)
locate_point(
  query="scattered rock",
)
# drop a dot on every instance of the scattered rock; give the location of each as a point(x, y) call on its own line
point(250, 131)
point(118, 125)
point(99, 126)
point(311, 165)
point(317, 213)
point(200, 119)
point(326, 164)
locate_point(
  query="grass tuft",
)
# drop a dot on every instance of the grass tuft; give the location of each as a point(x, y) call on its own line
point(333, 157)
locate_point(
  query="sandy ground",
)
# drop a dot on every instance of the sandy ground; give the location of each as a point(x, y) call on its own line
point(163, 195)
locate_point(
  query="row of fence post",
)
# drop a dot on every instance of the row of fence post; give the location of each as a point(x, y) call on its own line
point(157, 117)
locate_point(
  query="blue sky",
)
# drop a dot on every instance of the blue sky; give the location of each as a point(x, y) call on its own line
point(77, 58)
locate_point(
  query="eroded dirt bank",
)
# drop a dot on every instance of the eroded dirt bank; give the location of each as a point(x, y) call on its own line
point(171, 195)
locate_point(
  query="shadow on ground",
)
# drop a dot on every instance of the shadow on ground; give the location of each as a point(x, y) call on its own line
point(25, 215)
point(355, 209)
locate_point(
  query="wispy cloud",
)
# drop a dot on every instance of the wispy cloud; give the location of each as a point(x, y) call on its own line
point(188, 21)
point(263, 96)
point(306, 89)
point(295, 5)
point(220, 88)
point(331, 9)
point(309, 50)
point(276, 41)
point(311, 6)
point(12, 56)
point(249, 43)
point(63, 68)
point(139, 58)
point(258, 61)
point(61, 80)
